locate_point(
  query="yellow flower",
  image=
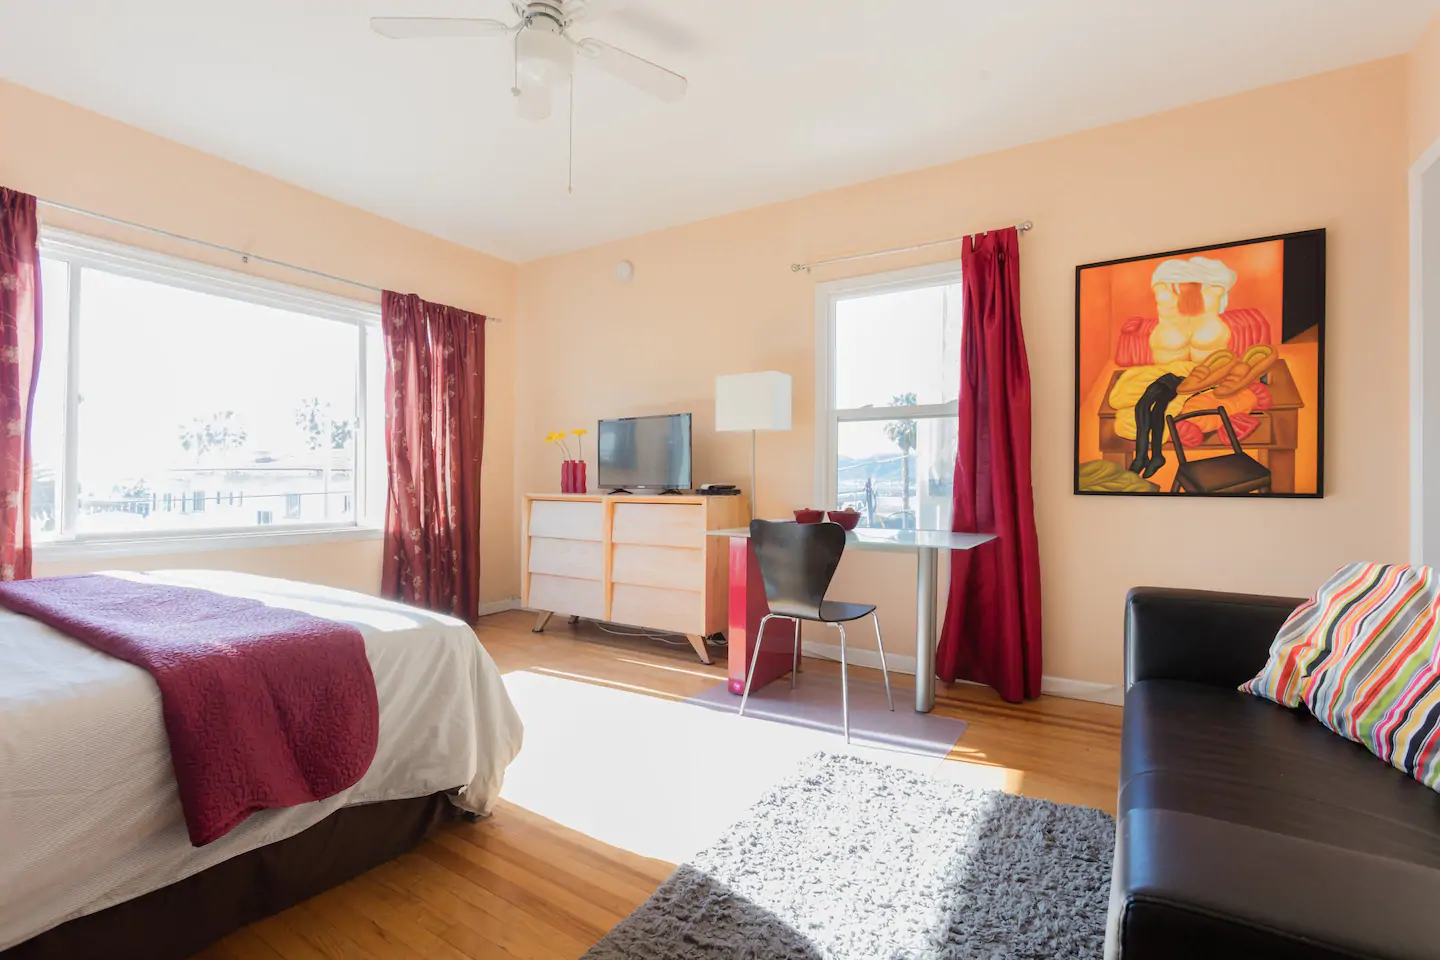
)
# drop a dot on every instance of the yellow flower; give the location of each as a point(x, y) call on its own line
point(579, 433)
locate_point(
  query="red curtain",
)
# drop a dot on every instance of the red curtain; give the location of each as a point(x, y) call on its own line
point(991, 632)
point(19, 373)
point(434, 431)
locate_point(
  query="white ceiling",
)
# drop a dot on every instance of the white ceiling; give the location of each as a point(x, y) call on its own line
point(787, 97)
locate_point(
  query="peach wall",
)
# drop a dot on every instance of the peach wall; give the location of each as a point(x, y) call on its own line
point(62, 153)
point(718, 297)
point(1424, 68)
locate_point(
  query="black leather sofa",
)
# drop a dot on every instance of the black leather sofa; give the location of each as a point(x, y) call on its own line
point(1246, 829)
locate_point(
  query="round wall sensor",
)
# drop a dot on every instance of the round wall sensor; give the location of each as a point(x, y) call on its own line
point(624, 271)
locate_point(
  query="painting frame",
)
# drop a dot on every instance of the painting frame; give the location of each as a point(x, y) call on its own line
point(1309, 298)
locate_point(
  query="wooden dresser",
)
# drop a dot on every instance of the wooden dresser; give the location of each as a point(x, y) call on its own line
point(643, 561)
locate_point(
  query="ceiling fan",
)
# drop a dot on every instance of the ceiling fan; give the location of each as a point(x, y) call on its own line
point(545, 52)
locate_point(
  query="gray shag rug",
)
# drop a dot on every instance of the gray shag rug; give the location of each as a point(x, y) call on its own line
point(854, 859)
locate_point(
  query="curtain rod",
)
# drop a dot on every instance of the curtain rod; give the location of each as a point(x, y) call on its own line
point(797, 267)
point(244, 257)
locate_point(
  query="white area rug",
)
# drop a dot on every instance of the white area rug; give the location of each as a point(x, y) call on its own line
point(853, 859)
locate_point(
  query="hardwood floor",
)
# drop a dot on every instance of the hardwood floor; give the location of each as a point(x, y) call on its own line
point(523, 886)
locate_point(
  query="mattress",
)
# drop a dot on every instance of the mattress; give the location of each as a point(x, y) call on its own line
point(89, 813)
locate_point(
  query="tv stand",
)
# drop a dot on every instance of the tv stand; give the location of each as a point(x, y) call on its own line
point(642, 561)
point(672, 493)
point(619, 492)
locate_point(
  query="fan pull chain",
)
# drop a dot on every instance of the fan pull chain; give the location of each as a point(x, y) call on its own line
point(570, 118)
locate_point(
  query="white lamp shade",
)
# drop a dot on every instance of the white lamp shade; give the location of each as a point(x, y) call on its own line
point(753, 401)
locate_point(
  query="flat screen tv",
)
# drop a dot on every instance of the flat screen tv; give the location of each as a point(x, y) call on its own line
point(645, 453)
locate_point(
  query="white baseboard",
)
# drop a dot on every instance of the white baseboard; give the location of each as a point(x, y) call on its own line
point(1111, 693)
point(499, 606)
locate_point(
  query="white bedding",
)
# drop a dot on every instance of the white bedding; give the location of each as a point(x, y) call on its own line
point(89, 814)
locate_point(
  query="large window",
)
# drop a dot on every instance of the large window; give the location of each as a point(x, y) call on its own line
point(182, 400)
point(888, 381)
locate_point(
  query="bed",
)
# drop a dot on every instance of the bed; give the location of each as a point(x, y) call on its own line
point(89, 814)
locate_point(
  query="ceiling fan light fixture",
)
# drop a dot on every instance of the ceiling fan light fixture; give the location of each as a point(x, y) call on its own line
point(544, 57)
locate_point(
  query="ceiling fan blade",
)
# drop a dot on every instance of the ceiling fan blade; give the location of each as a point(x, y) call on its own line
point(411, 28)
point(640, 73)
point(532, 101)
point(656, 27)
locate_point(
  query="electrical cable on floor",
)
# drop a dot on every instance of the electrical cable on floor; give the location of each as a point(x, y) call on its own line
point(645, 636)
point(714, 640)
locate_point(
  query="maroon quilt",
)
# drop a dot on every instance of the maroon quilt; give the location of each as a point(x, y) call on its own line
point(264, 707)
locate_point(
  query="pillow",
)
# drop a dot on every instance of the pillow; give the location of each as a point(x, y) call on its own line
point(1310, 630)
point(1362, 657)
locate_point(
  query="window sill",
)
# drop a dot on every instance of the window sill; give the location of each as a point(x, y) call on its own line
point(59, 550)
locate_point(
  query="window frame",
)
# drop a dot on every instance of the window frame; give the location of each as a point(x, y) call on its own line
point(80, 251)
point(827, 417)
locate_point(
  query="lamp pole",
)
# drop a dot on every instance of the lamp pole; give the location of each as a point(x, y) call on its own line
point(752, 474)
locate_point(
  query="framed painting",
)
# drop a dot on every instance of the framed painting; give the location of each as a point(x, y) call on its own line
point(1201, 372)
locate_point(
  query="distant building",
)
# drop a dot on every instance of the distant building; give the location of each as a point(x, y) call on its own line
point(223, 490)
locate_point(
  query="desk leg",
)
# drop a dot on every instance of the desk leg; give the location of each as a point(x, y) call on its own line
point(747, 608)
point(925, 630)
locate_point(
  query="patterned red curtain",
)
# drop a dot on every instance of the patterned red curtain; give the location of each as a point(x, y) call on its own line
point(19, 373)
point(991, 633)
point(434, 431)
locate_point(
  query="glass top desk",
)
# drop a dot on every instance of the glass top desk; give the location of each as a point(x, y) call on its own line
point(747, 602)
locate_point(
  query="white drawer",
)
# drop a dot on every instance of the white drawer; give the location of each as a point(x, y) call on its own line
point(656, 608)
point(567, 519)
point(679, 568)
point(567, 558)
point(660, 524)
point(583, 598)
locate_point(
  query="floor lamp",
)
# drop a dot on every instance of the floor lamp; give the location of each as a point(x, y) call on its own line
point(754, 402)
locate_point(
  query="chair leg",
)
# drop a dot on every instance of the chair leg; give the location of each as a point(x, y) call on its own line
point(754, 659)
point(844, 685)
point(884, 670)
point(795, 657)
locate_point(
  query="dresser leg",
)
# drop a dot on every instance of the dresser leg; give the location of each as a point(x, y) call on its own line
point(698, 642)
point(540, 621)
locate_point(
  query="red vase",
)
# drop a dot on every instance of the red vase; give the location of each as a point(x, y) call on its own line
point(572, 477)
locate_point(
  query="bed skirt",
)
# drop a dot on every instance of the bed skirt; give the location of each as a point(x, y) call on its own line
point(177, 921)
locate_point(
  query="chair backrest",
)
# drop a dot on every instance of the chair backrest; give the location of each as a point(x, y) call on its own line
point(1225, 425)
point(797, 563)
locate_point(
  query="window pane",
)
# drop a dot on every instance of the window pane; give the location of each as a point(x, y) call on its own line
point(47, 423)
point(897, 474)
point(198, 411)
point(889, 345)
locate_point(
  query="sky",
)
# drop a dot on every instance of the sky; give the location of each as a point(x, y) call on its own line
point(155, 357)
point(888, 344)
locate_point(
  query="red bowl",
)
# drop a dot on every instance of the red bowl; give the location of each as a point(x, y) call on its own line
point(809, 516)
point(845, 518)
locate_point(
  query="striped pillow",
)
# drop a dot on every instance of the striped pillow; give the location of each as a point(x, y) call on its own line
point(1362, 657)
point(1297, 649)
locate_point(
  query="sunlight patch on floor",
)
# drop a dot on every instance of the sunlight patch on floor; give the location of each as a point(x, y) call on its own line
point(660, 777)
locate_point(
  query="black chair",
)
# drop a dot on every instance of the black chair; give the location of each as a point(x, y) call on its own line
point(1236, 472)
point(797, 562)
